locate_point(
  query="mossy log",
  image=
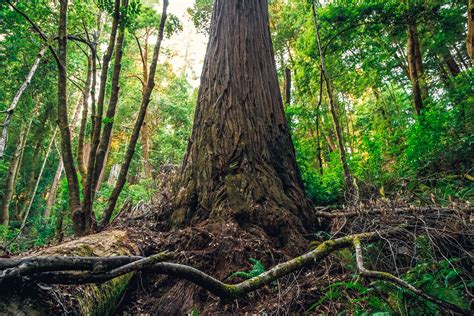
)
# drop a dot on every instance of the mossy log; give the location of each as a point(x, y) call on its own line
point(90, 299)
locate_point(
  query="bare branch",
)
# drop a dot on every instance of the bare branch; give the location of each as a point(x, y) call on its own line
point(50, 272)
point(385, 276)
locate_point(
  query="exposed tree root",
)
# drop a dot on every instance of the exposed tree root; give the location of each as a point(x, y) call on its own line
point(66, 271)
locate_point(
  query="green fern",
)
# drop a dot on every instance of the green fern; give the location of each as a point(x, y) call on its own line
point(257, 269)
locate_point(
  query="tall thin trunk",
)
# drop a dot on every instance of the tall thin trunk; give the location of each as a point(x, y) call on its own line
point(114, 96)
point(318, 140)
point(330, 140)
point(350, 187)
point(63, 123)
point(31, 193)
point(85, 111)
point(138, 123)
point(11, 179)
point(22, 152)
point(39, 138)
point(145, 139)
point(38, 179)
point(287, 86)
point(54, 186)
point(415, 67)
point(16, 99)
point(88, 190)
point(452, 64)
point(98, 185)
point(145, 132)
point(443, 73)
point(470, 29)
point(53, 191)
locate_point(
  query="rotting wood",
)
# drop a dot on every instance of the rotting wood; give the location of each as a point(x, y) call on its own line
point(30, 298)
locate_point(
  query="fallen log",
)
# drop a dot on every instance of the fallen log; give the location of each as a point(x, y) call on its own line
point(21, 295)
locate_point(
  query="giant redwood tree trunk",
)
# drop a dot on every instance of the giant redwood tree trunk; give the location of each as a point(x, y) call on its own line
point(240, 163)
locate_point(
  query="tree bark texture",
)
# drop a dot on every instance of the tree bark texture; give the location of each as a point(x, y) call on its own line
point(240, 162)
point(91, 299)
point(66, 147)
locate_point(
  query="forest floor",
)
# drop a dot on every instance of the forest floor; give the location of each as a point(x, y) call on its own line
point(221, 249)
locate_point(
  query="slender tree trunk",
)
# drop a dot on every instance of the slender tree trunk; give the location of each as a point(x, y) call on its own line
point(330, 140)
point(318, 140)
point(63, 123)
point(39, 136)
point(287, 86)
point(350, 187)
point(415, 68)
point(53, 191)
point(470, 30)
point(16, 99)
point(240, 163)
point(138, 123)
point(453, 66)
point(54, 186)
point(114, 96)
point(40, 175)
point(15, 166)
point(145, 132)
point(85, 111)
point(88, 190)
point(11, 179)
point(102, 174)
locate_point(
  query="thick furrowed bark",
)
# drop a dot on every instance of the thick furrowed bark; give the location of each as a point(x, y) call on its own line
point(91, 299)
point(240, 162)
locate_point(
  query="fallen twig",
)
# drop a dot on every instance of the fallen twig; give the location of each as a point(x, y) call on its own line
point(386, 276)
